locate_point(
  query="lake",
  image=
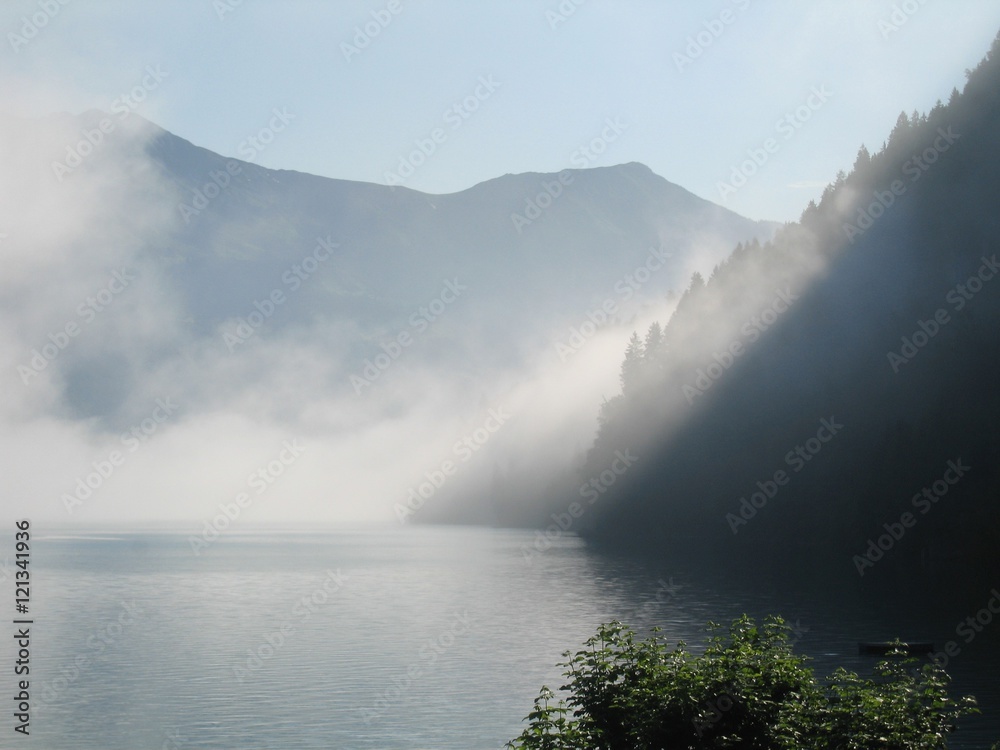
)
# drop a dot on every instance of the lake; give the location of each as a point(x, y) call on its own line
point(421, 638)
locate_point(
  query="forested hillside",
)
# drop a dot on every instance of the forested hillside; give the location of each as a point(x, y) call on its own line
point(836, 385)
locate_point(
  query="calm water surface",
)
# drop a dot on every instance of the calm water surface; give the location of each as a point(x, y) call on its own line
point(424, 638)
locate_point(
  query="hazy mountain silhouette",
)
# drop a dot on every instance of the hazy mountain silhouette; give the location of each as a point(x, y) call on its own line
point(533, 251)
point(397, 244)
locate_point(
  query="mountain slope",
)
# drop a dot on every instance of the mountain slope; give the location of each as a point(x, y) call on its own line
point(383, 323)
point(238, 228)
point(820, 387)
point(397, 243)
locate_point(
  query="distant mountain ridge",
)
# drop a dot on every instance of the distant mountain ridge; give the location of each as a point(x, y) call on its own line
point(509, 229)
point(534, 250)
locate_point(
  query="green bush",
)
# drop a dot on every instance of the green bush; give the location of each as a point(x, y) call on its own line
point(748, 691)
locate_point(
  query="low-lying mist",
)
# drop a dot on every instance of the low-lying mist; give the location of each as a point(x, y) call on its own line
point(123, 409)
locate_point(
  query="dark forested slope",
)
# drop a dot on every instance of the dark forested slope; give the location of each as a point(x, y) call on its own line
point(836, 385)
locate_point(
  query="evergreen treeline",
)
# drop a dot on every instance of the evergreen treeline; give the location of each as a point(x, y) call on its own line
point(855, 356)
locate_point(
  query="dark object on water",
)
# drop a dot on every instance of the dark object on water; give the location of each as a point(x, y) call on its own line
point(881, 648)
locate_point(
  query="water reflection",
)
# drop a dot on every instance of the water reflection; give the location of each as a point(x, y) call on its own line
point(413, 638)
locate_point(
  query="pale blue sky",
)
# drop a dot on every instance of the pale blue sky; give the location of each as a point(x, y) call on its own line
point(558, 87)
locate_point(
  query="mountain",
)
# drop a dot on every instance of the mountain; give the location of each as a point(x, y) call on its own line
point(533, 250)
point(373, 318)
point(397, 244)
point(828, 397)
